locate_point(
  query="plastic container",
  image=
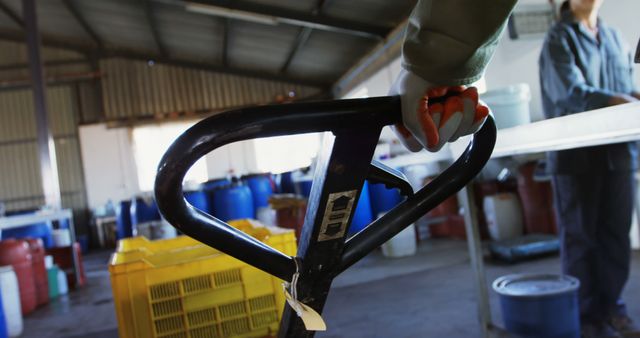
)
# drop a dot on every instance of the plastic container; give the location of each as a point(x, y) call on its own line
point(157, 246)
point(233, 202)
point(63, 284)
point(261, 189)
point(39, 270)
point(61, 237)
point(537, 201)
point(383, 199)
point(303, 186)
point(401, 245)
point(39, 230)
point(290, 211)
point(143, 209)
point(199, 199)
point(510, 105)
point(52, 279)
point(196, 291)
point(540, 306)
point(124, 228)
point(63, 258)
point(164, 230)
point(285, 183)
point(4, 333)
point(11, 301)
point(215, 183)
point(504, 216)
point(17, 254)
point(363, 214)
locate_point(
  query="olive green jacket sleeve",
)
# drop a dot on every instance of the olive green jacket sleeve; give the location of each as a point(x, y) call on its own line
point(450, 42)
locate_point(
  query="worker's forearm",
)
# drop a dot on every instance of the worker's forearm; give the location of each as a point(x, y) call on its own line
point(636, 95)
point(450, 42)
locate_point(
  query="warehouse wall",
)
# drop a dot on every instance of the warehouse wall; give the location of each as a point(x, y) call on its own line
point(20, 181)
point(139, 89)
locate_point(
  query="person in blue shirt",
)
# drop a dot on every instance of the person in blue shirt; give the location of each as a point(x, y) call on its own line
point(584, 65)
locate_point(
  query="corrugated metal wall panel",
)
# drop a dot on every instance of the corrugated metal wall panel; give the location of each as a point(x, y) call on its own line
point(20, 181)
point(132, 89)
point(16, 52)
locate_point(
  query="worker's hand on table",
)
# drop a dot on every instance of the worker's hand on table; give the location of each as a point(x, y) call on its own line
point(434, 115)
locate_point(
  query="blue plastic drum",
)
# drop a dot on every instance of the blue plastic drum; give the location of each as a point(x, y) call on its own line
point(286, 185)
point(383, 199)
point(540, 306)
point(363, 214)
point(261, 189)
point(199, 199)
point(215, 183)
point(144, 210)
point(233, 202)
point(303, 186)
point(39, 230)
point(4, 333)
point(123, 220)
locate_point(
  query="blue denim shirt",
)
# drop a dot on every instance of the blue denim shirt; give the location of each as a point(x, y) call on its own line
point(579, 72)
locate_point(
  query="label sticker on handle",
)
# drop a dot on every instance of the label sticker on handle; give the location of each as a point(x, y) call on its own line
point(336, 215)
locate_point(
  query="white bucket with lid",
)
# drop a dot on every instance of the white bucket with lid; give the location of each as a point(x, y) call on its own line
point(510, 105)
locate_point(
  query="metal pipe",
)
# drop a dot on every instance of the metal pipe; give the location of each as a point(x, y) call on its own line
point(46, 146)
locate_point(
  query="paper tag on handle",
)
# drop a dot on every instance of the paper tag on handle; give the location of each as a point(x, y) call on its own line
point(311, 319)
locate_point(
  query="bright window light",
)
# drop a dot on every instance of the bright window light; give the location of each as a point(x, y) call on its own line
point(285, 153)
point(151, 142)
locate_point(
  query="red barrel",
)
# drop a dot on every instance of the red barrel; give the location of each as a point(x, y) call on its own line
point(39, 270)
point(17, 254)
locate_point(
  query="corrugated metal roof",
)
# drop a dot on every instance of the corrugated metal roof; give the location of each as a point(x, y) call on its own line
point(256, 46)
point(381, 12)
point(314, 61)
point(119, 23)
point(127, 30)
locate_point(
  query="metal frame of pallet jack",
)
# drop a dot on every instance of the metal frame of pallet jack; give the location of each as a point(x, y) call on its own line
point(342, 167)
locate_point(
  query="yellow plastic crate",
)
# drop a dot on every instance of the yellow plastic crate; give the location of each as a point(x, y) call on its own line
point(163, 289)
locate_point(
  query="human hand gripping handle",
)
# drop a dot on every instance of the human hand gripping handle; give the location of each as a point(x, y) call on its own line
point(434, 115)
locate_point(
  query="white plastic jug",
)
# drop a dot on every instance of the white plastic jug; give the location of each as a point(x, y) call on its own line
point(504, 216)
point(11, 301)
point(63, 287)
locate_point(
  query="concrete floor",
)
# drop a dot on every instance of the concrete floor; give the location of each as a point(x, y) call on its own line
point(427, 295)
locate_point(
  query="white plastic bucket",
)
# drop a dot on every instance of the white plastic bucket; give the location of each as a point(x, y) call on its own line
point(11, 301)
point(61, 238)
point(510, 105)
point(401, 245)
point(504, 216)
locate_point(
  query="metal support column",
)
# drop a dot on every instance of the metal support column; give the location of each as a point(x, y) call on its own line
point(46, 146)
point(475, 254)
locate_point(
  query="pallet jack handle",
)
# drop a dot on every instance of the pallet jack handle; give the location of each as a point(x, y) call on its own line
point(339, 117)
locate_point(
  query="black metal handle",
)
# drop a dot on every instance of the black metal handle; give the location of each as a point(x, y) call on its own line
point(336, 116)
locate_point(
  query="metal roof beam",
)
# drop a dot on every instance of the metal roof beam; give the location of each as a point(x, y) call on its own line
point(242, 10)
point(303, 36)
point(73, 9)
point(54, 63)
point(225, 41)
point(12, 14)
point(300, 41)
point(113, 51)
point(153, 24)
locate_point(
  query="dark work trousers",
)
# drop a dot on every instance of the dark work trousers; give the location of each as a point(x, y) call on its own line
point(594, 216)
